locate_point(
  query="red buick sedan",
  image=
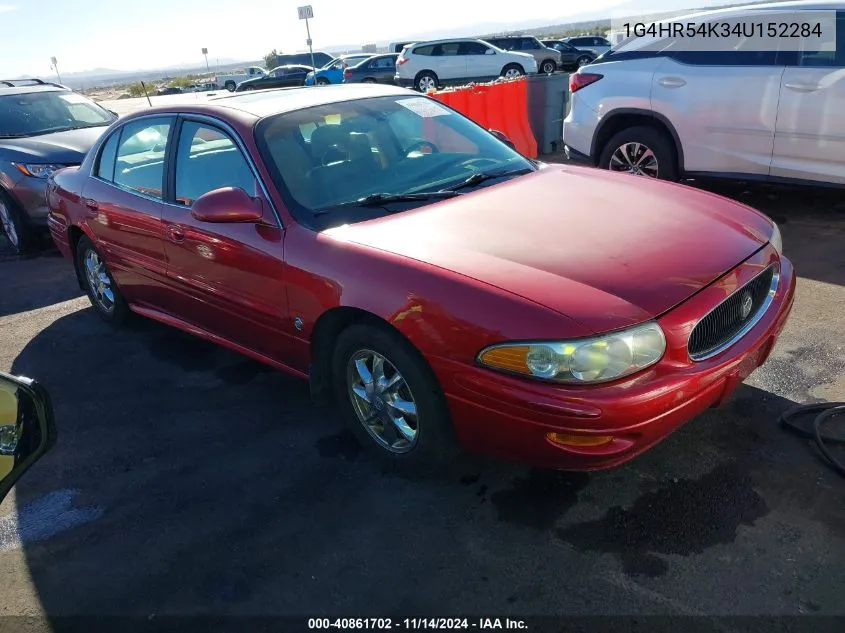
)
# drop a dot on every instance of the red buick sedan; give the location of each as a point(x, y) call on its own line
point(446, 291)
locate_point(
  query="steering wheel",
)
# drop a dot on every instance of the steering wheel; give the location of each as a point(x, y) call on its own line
point(419, 146)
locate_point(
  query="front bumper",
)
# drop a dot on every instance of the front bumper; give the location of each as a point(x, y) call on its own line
point(510, 417)
point(30, 195)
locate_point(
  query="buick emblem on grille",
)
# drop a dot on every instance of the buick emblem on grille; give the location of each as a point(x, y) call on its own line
point(745, 306)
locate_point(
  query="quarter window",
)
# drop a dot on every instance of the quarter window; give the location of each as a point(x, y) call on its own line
point(208, 159)
point(105, 166)
point(139, 163)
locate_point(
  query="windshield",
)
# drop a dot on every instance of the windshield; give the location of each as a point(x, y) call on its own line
point(336, 154)
point(34, 113)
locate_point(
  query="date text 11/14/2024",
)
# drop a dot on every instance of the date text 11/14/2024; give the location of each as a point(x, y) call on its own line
point(387, 624)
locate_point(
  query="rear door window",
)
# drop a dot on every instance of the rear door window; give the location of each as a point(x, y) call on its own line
point(139, 164)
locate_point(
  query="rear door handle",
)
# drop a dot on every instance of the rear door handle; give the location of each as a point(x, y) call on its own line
point(797, 86)
point(672, 82)
point(176, 234)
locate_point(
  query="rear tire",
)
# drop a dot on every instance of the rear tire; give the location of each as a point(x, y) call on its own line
point(425, 81)
point(548, 66)
point(15, 225)
point(623, 144)
point(99, 284)
point(433, 446)
point(230, 86)
point(583, 60)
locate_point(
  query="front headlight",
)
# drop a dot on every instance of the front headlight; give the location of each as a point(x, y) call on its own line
point(38, 170)
point(597, 359)
point(776, 240)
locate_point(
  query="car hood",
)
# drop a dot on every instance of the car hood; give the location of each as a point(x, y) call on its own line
point(59, 147)
point(608, 250)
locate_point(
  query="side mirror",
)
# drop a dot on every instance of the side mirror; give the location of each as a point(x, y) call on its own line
point(27, 428)
point(503, 137)
point(228, 204)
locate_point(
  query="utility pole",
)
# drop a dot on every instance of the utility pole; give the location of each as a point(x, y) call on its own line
point(205, 53)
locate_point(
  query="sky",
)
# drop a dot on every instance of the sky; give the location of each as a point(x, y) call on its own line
point(133, 35)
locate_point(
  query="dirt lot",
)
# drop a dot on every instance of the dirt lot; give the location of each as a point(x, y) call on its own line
point(188, 480)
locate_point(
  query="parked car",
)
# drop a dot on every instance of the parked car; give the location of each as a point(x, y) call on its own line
point(43, 126)
point(396, 47)
point(377, 69)
point(597, 44)
point(277, 224)
point(304, 59)
point(548, 59)
point(27, 428)
point(231, 81)
point(429, 65)
point(571, 58)
point(170, 90)
point(332, 73)
point(736, 113)
point(279, 77)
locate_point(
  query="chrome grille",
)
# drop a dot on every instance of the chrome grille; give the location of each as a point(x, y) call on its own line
point(732, 318)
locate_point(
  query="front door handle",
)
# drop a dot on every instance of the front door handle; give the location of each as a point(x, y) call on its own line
point(797, 86)
point(91, 204)
point(672, 82)
point(176, 234)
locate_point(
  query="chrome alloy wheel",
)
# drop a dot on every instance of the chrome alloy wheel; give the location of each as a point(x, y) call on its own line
point(383, 401)
point(427, 83)
point(512, 73)
point(8, 225)
point(634, 158)
point(99, 281)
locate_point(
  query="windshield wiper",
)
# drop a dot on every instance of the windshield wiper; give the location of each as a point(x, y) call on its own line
point(376, 199)
point(481, 176)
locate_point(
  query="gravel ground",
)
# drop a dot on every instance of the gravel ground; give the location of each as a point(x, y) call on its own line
point(188, 480)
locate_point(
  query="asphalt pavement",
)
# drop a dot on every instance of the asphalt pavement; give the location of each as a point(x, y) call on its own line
point(188, 480)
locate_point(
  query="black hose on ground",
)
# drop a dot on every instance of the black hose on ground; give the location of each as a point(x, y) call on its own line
point(828, 410)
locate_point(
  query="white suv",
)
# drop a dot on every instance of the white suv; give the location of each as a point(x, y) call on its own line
point(429, 65)
point(744, 114)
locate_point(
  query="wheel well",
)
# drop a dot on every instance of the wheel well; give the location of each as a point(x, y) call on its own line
point(74, 234)
point(626, 120)
point(515, 65)
point(328, 327)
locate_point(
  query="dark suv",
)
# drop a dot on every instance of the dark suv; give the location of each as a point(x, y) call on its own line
point(43, 127)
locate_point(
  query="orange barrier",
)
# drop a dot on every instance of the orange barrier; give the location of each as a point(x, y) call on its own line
point(499, 105)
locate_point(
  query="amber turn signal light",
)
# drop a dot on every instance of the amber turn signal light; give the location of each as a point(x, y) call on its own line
point(567, 439)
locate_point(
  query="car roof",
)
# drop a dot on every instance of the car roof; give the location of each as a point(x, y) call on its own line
point(6, 89)
point(245, 106)
point(448, 40)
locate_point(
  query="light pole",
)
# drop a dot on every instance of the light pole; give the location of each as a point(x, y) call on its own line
point(55, 66)
point(306, 13)
point(205, 54)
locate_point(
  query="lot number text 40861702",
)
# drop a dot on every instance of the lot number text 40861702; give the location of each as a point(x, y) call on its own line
point(385, 624)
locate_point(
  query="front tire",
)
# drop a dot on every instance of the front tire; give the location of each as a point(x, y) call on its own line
point(583, 60)
point(322, 81)
point(16, 227)
point(512, 71)
point(99, 284)
point(391, 400)
point(642, 151)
